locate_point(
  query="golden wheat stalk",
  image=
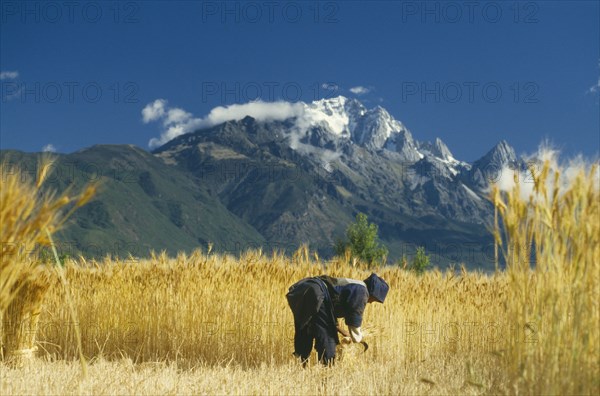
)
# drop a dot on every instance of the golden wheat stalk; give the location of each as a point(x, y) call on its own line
point(30, 215)
point(558, 291)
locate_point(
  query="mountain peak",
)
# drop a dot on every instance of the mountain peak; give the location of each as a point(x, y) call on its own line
point(438, 149)
point(374, 128)
point(501, 154)
point(338, 104)
point(487, 167)
point(340, 100)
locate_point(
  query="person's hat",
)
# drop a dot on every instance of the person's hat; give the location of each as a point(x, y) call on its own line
point(377, 287)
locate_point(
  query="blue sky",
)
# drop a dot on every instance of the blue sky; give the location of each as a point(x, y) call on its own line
point(77, 74)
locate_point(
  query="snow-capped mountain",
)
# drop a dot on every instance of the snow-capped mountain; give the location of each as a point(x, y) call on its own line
point(341, 120)
point(302, 178)
point(344, 130)
point(371, 128)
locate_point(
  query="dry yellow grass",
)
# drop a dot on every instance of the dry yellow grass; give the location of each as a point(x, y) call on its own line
point(212, 324)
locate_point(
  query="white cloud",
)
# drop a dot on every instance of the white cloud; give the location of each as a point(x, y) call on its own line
point(595, 88)
point(569, 170)
point(153, 111)
point(331, 87)
point(49, 148)
point(177, 116)
point(261, 111)
point(177, 121)
point(359, 90)
point(9, 75)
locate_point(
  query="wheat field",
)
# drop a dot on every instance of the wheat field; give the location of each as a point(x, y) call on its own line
point(221, 318)
point(206, 323)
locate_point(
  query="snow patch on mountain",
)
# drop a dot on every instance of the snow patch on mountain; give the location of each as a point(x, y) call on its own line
point(471, 192)
point(330, 113)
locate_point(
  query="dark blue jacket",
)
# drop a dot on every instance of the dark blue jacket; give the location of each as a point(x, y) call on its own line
point(337, 297)
point(307, 298)
point(351, 303)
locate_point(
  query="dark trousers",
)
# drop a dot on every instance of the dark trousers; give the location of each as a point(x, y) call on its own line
point(313, 320)
point(318, 330)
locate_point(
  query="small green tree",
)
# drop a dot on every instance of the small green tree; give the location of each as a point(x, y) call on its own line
point(362, 241)
point(420, 262)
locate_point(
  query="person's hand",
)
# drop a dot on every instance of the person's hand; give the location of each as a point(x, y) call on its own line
point(346, 340)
